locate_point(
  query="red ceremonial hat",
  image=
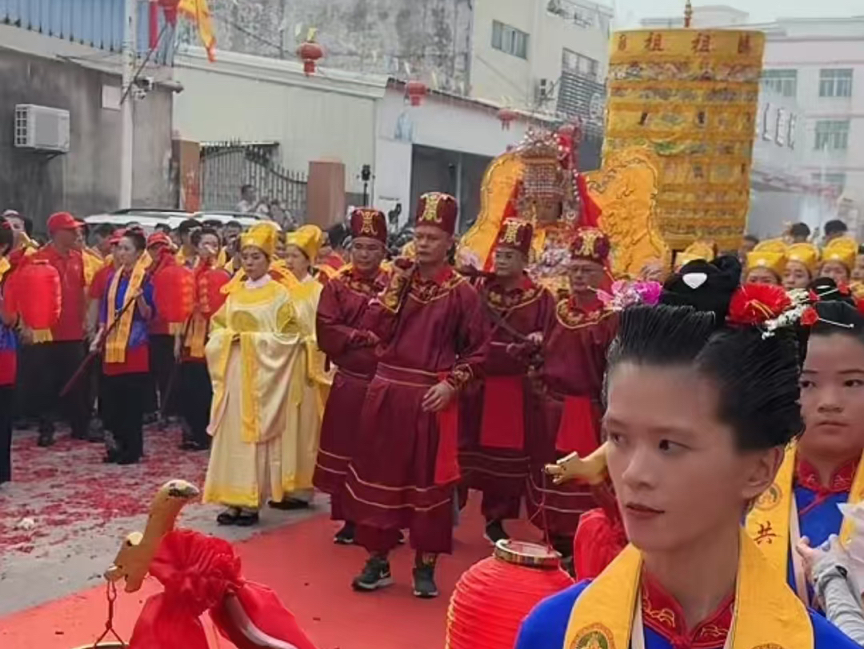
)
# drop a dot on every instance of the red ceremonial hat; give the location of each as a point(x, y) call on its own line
point(516, 234)
point(159, 239)
point(369, 223)
point(590, 244)
point(62, 221)
point(438, 210)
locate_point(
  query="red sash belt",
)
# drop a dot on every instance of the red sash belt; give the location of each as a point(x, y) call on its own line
point(366, 378)
point(577, 431)
point(447, 455)
point(503, 420)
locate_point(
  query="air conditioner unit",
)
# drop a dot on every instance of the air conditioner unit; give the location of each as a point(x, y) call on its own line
point(41, 128)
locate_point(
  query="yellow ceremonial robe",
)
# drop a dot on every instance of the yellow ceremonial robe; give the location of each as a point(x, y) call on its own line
point(257, 361)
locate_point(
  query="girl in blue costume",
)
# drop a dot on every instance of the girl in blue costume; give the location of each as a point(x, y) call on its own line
point(822, 470)
point(697, 422)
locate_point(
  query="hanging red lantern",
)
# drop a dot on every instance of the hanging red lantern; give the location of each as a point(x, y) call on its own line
point(507, 116)
point(210, 296)
point(493, 597)
point(416, 90)
point(310, 52)
point(174, 293)
point(33, 292)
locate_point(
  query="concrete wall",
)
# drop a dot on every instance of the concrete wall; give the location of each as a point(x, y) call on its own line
point(87, 179)
point(373, 36)
point(255, 99)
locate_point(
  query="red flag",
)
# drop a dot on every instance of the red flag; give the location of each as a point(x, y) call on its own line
point(591, 212)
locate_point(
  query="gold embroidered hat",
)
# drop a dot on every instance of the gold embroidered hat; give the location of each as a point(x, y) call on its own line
point(773, 261)
point(844, 250)
point(805, 254)
point(697, 251)
point(369, 223)
point(308, 238)
point(516, 234)
point(591, 244)
point(438, 210)
point(261, 236)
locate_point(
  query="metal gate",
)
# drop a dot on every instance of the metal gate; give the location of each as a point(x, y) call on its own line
point(227, 166)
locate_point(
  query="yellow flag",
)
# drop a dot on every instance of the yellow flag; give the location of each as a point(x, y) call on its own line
point(199, 13)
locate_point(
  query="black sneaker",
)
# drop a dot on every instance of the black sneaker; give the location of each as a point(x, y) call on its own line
point(495, 532)
point(375, 575)
point(345, 536)
point(424, 582)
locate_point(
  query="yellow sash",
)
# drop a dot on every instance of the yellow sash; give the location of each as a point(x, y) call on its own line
point(767, 613)
point(770, 523)
point(115, 345)
point(92, 263)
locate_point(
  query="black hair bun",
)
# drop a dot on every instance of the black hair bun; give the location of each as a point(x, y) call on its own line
point(705, 286)
point(826, 290)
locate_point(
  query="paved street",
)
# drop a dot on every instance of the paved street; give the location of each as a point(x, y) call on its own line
point(65, 513)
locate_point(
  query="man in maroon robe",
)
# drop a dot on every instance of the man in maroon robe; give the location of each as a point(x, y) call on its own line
point(351, 349)
point(433, 337)
point(497, 415)
point(575, 343)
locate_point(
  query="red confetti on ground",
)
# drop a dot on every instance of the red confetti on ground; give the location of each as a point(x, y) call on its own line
point(65, 492)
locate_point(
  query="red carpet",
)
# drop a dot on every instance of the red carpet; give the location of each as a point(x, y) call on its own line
point(311, 575)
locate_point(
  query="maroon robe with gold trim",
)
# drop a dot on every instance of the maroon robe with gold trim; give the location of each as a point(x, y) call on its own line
point(498, 415)
point(351, 349)
point(574, 350)
point(405, 465)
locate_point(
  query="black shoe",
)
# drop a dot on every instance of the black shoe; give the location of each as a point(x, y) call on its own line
point(229, 517)
point(126, 461)
point(375, 575)
point(495, 532)
point(345, 536)
point(424, 582)
point(289, 504)
point(246, 519)
point(46, 439)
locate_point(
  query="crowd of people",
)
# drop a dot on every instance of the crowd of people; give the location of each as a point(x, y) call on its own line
point(730, 385)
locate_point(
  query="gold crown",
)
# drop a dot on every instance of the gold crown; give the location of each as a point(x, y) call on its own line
point(539, 146)
point(309, 238)
point(261, 236)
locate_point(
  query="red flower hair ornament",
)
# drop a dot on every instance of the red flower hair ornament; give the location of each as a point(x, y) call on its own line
point(768, 307)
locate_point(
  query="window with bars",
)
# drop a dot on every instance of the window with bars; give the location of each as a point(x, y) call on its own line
point(784, 82)
point(509, 40)
point(832, 135)
point(584, 66)
point(836, 180)
point(835, 83)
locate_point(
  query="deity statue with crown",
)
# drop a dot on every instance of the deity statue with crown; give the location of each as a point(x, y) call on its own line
point(538, 181)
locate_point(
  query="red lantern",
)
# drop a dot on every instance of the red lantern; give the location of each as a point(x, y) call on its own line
point(507, 116)
point(310, 52)
point(494, 596)
point(33, 291)
point(174, 293)
point(416, 90)
point(210, 296)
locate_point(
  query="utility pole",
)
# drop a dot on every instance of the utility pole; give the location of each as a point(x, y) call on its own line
point(130, 48)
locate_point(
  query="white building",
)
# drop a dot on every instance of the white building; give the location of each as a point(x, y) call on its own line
point(817, 65)
point(445, 144)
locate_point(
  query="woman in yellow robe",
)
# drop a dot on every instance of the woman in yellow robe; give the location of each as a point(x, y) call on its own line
point(301, 247)
point(257, 362)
